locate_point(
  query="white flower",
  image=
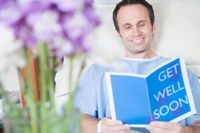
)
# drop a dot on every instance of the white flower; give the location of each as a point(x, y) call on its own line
point(78, 24)
point(9, 57)
point(45, 24)
point(62, 46)
point(8, 49)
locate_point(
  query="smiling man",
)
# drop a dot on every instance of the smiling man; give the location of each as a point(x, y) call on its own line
point(134, 22)
point(135, 28)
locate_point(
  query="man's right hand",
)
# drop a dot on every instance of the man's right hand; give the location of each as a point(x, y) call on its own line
point(89, 125)
point(113, 126)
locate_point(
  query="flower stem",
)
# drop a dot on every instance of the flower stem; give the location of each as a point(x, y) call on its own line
point(70, 78)
point(30, 90)
point(44, 72)
point(46, 84)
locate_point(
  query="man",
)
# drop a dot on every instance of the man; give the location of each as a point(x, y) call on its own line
point(134, 21)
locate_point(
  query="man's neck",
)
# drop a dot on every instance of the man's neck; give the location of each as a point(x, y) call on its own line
point(144, 55)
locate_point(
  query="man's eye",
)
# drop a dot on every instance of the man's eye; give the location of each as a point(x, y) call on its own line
point(127, 27)
point(141, 24)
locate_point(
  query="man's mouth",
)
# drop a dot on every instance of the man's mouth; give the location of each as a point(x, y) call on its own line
point(137, 40)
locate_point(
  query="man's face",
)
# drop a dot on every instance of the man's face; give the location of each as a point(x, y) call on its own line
point(135, 29)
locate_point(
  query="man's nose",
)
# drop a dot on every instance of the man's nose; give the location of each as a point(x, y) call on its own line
point(136, 31)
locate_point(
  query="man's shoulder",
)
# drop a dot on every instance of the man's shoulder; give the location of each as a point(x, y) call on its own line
point(94, 70)
point(120, 63)
point(161, 59)
point(97, 68)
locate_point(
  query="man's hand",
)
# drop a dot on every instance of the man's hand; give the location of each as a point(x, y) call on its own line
point(165, 127)
point(113, 126)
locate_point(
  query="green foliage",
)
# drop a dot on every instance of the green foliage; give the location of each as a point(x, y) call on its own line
point(40, 116)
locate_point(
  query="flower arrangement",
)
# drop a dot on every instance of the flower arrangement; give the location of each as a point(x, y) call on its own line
point(48, 30)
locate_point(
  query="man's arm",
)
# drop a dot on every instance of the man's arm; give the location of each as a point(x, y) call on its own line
point(194, 128)
point(89, 125)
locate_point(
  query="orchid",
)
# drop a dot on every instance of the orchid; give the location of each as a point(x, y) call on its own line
point(36, 21)
point(51, 30)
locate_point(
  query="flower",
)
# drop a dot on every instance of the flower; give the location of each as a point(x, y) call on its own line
point(51, 21)
point(7, 50)
point(46, 31)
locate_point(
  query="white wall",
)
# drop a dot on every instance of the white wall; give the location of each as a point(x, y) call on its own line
point(107, 44)
point(177, 32)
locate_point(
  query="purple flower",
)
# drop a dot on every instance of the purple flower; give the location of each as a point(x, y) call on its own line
point(62, 47)
point(92, 16)
point(47, 27)
point(69, 5)
point(64, 25)
point(9, 12)
point(78, 24)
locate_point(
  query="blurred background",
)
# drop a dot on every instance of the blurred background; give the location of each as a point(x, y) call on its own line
point(177, 34)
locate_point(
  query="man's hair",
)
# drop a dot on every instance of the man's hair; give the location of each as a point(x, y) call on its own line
point(133, 2)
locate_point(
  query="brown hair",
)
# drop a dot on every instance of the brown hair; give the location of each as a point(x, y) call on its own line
point(132, 2)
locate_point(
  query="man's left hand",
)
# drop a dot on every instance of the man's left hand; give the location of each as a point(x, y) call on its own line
point(165, 127)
